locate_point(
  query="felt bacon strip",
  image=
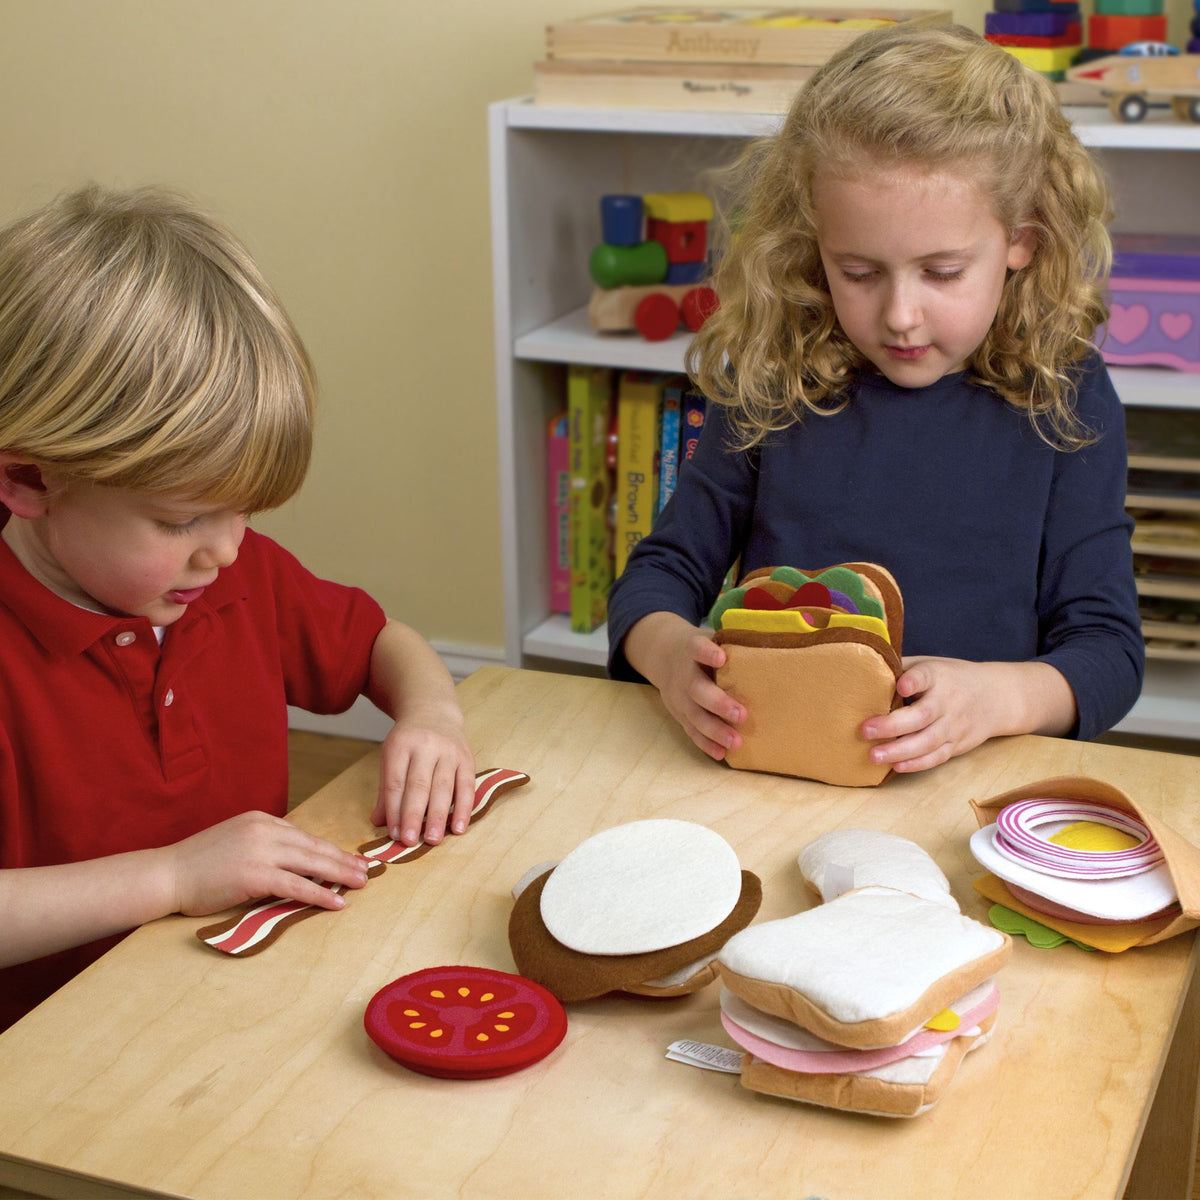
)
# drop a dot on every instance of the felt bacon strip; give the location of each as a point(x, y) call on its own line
point(254, 928)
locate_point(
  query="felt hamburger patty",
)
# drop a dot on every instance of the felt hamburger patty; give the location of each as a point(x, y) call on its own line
point(573, 976)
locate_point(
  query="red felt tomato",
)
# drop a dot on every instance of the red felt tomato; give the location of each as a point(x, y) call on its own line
point(465, 1022)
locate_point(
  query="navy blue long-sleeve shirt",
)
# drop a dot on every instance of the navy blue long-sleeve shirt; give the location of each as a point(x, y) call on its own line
point(1004, 548)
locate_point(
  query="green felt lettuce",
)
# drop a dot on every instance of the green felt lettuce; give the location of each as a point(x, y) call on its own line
point(838, 579)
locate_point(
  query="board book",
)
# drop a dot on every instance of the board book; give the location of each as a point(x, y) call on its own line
point(639, 420)
point(589, 402)
point(558, 511)
point(801, 36)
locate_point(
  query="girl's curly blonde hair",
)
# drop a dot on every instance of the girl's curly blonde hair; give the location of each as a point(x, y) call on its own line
point(942, 99)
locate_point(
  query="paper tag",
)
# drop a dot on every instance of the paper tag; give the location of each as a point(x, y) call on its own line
point(705, 1056)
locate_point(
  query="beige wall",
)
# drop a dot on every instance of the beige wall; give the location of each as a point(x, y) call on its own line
point(345, 141)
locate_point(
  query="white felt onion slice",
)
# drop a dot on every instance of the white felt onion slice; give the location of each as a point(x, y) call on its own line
point(640, 887)
point(1131, 899)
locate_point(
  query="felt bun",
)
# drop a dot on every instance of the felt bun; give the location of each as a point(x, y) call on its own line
point(844, 859)
point(571, 975)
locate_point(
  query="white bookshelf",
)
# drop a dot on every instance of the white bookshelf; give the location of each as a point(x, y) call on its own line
point(549, 168)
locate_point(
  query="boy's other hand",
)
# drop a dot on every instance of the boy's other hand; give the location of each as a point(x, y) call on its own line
point(254, 855)
point(426, 778)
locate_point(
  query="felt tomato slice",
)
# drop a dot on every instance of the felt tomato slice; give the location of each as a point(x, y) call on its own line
point(465, 1022)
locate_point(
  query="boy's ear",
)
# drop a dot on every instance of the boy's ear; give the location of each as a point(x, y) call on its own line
point(22, 489)
point(1021, 247)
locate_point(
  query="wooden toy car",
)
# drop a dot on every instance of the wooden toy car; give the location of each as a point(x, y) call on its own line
point(1132, 80)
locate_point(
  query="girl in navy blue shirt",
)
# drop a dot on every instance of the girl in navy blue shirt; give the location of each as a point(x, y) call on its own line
point(901, 372)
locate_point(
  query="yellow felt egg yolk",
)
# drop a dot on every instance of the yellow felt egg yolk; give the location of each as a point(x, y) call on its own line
point(944, 1021)
point(1091, 835)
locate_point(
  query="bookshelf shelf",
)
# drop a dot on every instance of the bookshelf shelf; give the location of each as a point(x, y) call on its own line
point(548, 168)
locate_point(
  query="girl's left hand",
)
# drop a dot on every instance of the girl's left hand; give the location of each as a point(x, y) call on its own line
point(955, 705)
point(427, 775)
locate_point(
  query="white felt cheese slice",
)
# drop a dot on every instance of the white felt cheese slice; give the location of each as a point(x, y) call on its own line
point(1131, 899)
point(866, 955)
point(844, 859)
point(640, 887)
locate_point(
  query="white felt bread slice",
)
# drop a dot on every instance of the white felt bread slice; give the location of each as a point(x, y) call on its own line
point(905, 1088)
point(864, 969)
point(844, 859)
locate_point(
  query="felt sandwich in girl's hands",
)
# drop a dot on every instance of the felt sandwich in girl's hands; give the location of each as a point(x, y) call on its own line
point(811, 655)
point(869, 1001)
point(642, 907)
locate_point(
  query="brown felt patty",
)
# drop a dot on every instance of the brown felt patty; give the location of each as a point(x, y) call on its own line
point(573, 976)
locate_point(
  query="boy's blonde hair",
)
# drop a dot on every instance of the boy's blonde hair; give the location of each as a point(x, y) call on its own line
point(942, 99)
point(141, 347)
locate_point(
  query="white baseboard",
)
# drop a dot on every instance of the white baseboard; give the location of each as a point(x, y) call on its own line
point(364, 720)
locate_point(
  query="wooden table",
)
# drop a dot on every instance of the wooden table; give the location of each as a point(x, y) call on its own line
point(170, 1068)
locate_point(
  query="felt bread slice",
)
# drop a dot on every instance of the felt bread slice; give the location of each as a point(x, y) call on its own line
point(806, 695)
point(864, 969)
point(573, 975)
point(905, 1088)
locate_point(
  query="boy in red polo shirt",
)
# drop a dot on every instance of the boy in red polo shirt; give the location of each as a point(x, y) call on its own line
point(153, 394)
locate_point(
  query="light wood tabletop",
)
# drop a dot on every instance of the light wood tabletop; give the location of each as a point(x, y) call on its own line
point(170, 1068)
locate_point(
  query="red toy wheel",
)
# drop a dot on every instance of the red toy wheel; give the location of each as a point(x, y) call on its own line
point(698, 305)
point(656, 317)
point(465, 1022)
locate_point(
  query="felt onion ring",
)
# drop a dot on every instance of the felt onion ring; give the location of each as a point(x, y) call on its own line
point(1016, 840)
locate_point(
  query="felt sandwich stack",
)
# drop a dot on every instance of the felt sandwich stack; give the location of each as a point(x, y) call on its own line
point(643, 907)
point(870, 1001)
point(1078, 856)
point(811, 654)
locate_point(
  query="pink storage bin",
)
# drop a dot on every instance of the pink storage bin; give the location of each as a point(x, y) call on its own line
point(1152, 322)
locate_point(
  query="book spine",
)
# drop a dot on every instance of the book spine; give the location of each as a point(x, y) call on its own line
point(669, 446)
point(639, 409)
point(589, 391)
point(693, 421)
point(558, 511)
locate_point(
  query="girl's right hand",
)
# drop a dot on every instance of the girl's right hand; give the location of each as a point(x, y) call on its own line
point(679, 659)
point(254, 855)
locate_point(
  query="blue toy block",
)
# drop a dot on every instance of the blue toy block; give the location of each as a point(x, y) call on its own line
point(686, 272)
point(1028, 24)
point(1044, 6)
point(621, 220)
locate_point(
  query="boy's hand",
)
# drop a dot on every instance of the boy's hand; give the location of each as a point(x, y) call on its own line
point(427, 774)
point(679, 659)
point(957, 705)
point(254, 855)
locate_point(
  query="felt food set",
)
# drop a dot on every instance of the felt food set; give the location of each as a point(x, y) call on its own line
point(811, 654)
point(642, 907)
point(1077, 857)
point(868, 1002)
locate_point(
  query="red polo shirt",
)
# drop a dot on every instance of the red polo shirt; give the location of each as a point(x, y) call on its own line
point(110, 742)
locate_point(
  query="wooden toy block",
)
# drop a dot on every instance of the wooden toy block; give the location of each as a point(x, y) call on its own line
point(684, 241)
point(686, 272)
point(1113, 32)
point(616, 266)
point(1052, 61)
point(1073, 40)
point(1031, 24)
point(613, 309)
point(677, 206)
point(1129, 8)
point(621, 220)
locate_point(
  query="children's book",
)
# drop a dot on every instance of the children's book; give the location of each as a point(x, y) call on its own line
point(670, 442)
point(639, 423)
point(693, 422)
point(589, 400)
point(558, 512)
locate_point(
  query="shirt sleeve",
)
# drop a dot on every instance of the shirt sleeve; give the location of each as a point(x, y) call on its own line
point(1087, 597)
point(326, 633)
point(678, 567)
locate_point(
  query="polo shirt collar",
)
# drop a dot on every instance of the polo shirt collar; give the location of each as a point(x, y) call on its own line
point(65, 630)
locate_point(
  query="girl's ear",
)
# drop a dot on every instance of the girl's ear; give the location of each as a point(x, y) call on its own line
point(22, 489)
point(1020, 248)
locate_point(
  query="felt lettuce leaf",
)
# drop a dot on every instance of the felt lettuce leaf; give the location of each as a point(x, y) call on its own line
point(840, 579)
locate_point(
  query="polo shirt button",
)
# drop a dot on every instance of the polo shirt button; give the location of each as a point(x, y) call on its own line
point(126, 638)
point(169, 698)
